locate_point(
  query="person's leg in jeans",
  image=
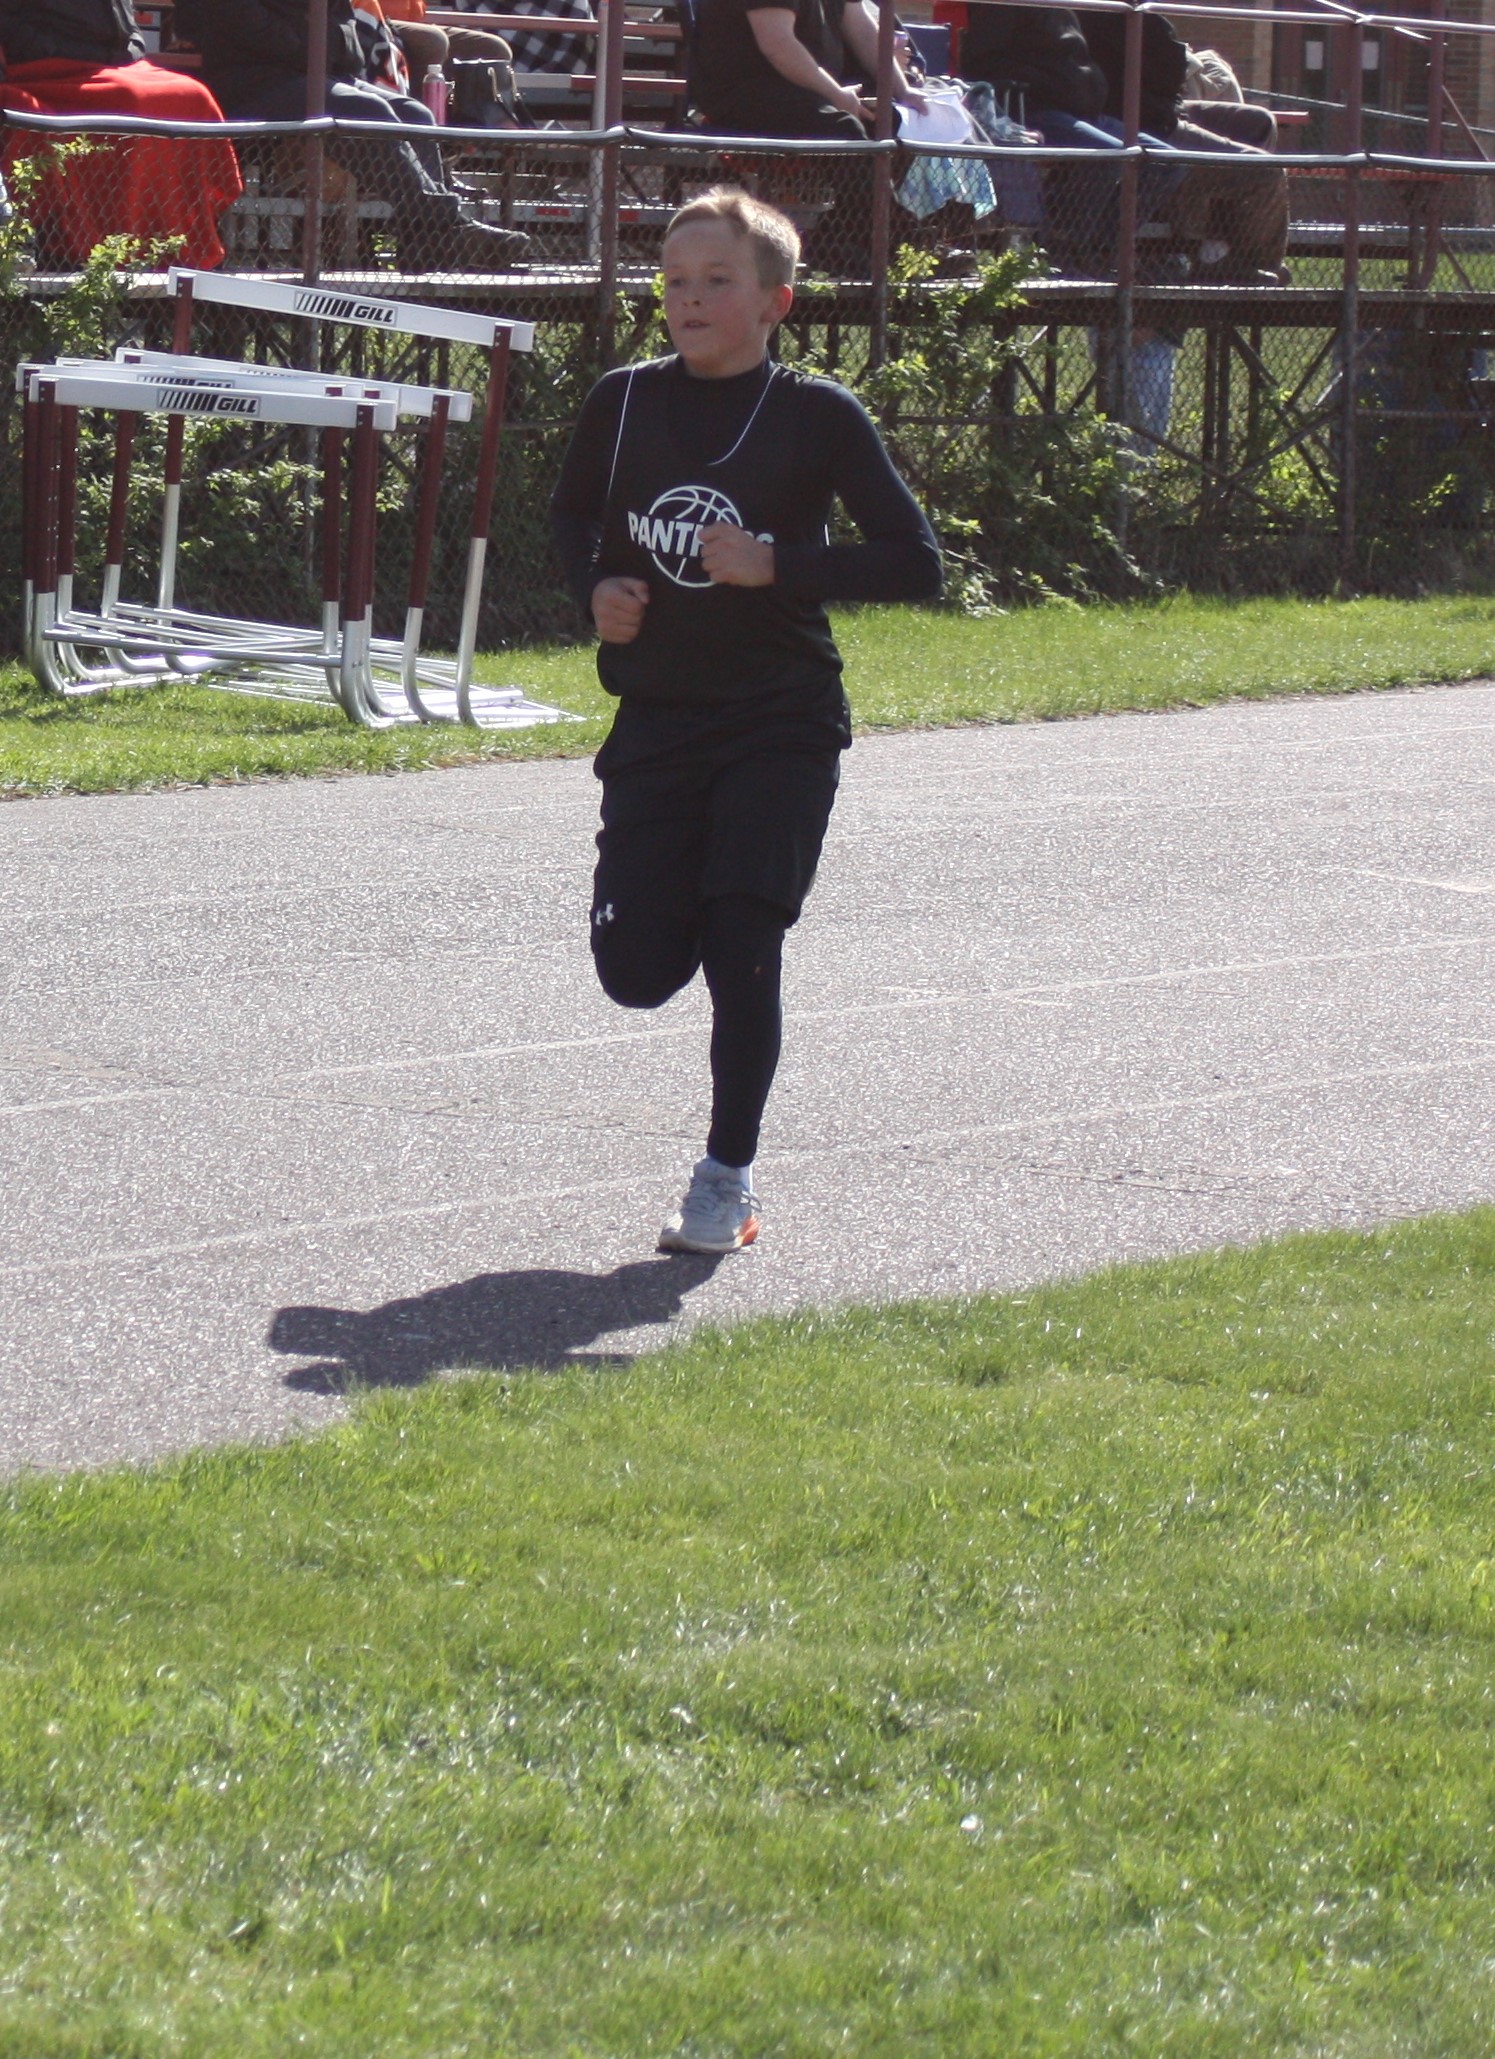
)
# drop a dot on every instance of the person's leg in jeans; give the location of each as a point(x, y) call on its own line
point(414, 114)
point(432, 229)
point(392, 169)
point(1154, 363)
point(1080, 201)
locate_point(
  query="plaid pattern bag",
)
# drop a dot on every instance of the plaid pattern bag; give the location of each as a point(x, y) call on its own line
point(547, 50)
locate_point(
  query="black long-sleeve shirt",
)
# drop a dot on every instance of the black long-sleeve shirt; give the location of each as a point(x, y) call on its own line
point(840, 456)
point(1041, 50)
point(248, 45)
point(1165, 62)
point(657, 455)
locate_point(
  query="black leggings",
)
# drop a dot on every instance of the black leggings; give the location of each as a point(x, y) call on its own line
point(737, 941)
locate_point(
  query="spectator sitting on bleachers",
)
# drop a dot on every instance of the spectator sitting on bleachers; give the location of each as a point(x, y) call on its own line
point(84, 57)
point(1212, 97)
point(1236, 216)
point(255, 56)
point(1037, 59)
point(762, 69)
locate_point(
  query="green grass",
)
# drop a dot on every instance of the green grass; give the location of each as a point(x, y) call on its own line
point(905, 667)
point(1104, 1669)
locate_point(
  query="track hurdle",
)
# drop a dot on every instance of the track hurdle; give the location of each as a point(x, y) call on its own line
point(497, 335)
point(396, 681)
point(75, 651)
point(377, 681)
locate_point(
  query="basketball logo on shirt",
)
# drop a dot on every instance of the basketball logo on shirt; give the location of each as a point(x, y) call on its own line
point(671, 531)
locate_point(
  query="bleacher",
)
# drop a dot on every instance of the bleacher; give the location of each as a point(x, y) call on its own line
point(1390, 309)
point(588, 207)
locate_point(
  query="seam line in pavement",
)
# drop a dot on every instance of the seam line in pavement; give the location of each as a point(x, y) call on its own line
point(250, 1088)
point(946, 1000)
point(90, 1100)
point(1110, 1111)
point(1073, 1119)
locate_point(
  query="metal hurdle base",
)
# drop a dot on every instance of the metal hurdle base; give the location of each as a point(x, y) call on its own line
point(493, 707)
point(144, 647)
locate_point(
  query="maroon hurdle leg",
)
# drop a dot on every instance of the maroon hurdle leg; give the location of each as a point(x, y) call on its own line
point(482, 517)
point(119, 508)
point(432, 460)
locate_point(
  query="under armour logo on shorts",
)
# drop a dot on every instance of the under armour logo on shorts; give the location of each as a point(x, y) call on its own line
point(602, 915)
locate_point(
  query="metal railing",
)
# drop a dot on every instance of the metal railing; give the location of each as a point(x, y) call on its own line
point(1240, 400)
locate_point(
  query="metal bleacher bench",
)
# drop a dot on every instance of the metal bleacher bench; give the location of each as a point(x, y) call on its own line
point(646, 94)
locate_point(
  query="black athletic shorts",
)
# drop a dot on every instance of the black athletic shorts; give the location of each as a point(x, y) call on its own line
point(677, 833)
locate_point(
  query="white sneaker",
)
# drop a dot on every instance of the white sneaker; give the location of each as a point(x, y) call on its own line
point(719, 1212)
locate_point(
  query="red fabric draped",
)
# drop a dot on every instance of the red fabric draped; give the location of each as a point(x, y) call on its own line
point(147, 186)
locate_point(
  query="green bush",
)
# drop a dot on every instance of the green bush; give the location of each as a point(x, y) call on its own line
point(1026, 503)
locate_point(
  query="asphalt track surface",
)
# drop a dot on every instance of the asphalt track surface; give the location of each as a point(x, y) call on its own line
point(309, 1083)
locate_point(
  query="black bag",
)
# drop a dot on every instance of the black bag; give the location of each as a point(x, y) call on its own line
point(484, 95)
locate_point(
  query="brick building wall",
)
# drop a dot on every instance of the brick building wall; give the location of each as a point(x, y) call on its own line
point(1469, 65)
point(1245, 45)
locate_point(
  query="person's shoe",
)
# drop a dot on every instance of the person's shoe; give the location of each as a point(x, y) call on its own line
point(482, 247)
point(450, 242)
point(719, 1212)
point(1169, 268)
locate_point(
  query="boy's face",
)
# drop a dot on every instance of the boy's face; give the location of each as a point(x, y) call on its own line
point(719, 313)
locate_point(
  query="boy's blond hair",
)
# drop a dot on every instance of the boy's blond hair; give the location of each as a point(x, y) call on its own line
point(773, 237)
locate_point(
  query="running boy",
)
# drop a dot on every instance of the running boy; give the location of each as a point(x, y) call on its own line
point(691, 521)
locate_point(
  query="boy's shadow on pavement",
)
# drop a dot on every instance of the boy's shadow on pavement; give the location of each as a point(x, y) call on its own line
point(539, 1318)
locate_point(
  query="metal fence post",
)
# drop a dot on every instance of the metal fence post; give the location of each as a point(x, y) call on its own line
point(882, 184)
point(316, 108)
point(1436, 67)
point(610, 81)
point(1432, 227)
point(1350, 313)
point(1126, 242)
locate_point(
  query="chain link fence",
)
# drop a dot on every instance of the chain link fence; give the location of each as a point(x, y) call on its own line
point(1097, 368)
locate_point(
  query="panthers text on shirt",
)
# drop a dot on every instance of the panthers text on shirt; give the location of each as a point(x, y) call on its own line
point(671, 531)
